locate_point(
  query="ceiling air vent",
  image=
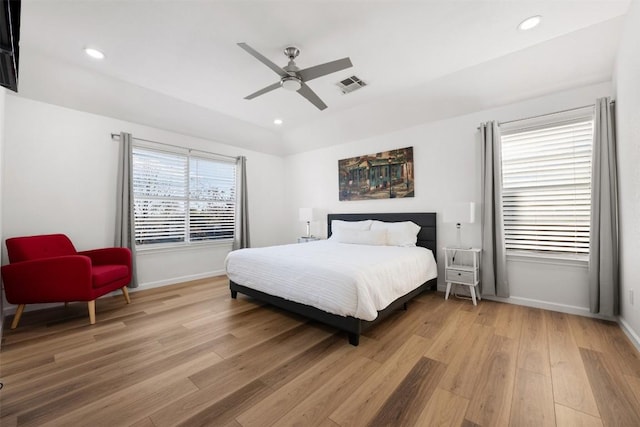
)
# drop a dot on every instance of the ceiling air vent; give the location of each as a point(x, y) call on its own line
point(350, 84)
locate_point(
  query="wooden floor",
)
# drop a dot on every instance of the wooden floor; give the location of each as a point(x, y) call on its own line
point(189, 355)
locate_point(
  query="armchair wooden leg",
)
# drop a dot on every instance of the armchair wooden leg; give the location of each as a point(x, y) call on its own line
point(17, 316)
point(125, 292)
point(92, 311)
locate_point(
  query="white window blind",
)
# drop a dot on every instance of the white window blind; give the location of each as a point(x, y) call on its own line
point(546, 186)
point(181, 199)
point(212, 199)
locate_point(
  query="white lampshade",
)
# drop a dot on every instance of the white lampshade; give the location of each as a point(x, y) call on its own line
point(461, 213)
point(305, 214)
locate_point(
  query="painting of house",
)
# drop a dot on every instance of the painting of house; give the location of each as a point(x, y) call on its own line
point(385, 175)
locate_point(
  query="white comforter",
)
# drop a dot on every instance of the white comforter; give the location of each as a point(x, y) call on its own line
point(339, 278)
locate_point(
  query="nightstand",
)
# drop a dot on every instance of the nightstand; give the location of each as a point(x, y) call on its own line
point(305, 239)
point(462, 267)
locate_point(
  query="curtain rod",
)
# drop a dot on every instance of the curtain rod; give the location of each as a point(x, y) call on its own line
point(549, 114)
point(115, 136)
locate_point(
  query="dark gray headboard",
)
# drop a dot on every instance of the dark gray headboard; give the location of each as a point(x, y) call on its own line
point(426, 220)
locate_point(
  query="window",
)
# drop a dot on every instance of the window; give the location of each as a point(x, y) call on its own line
point(180, 198)
point(546, 184)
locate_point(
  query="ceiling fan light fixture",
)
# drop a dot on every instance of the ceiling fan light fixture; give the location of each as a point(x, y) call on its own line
point(277, 122)
point(530, 23)
point(93, 53)
point(291, 83)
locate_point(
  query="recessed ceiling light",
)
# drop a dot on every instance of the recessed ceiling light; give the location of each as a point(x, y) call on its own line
point(277, 122)
point(530, 23)
point(94, 53)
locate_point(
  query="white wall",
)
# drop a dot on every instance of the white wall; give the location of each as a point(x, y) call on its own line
point(60, 176)
point(627, 81)
point(447, 170)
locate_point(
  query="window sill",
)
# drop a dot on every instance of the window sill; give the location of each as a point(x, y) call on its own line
point(175, 247)
point(565, 260)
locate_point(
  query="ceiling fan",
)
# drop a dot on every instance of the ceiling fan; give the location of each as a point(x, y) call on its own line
point(293, 78)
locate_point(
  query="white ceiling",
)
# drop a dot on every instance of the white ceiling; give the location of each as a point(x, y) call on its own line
point(175, 64)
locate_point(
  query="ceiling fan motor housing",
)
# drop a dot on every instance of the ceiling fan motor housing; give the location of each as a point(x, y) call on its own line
point(291, 52)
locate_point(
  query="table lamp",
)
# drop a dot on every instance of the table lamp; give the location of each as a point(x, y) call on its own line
point(306, 215)
point(460, 213)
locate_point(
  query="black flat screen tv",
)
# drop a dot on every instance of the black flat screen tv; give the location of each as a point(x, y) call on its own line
point(9, 43)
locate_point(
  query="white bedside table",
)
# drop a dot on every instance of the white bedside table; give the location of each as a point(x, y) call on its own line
point(462, 267)
point(305, 239)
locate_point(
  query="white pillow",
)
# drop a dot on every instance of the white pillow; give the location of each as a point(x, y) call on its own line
point(337, 224)
point(361, 237)
point(399, 233)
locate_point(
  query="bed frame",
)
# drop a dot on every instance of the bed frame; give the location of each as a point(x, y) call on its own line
point(354, 327)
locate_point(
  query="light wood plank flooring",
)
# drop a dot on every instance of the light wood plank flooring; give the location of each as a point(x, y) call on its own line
point(190, 355)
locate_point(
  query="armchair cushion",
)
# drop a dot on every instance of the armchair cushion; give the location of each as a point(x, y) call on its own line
point(102, 275)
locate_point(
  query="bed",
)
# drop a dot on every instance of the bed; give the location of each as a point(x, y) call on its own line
point(361, 320)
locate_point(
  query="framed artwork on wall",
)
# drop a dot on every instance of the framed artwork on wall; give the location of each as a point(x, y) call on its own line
point(386, 175)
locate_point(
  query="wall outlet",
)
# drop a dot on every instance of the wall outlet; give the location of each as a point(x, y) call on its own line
point(631, 296)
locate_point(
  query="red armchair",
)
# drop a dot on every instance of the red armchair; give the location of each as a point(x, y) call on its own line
point(49, 269)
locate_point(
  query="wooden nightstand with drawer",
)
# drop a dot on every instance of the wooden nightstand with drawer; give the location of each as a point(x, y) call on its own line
point(462, 267)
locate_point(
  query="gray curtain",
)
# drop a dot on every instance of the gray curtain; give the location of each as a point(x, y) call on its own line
point(604, 295)
point(125, 228)
point(241, 232)
point(494, 264)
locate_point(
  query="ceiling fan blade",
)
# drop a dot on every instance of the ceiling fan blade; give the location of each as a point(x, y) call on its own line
point(311, 96)
point(263, 91)
point(279, 71)
point(324, 69)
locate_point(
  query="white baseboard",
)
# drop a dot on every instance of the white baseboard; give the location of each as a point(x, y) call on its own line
point(551, 306)
point(633, 337)
point(11, 309)
point(545, 305)
point(175, 280)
